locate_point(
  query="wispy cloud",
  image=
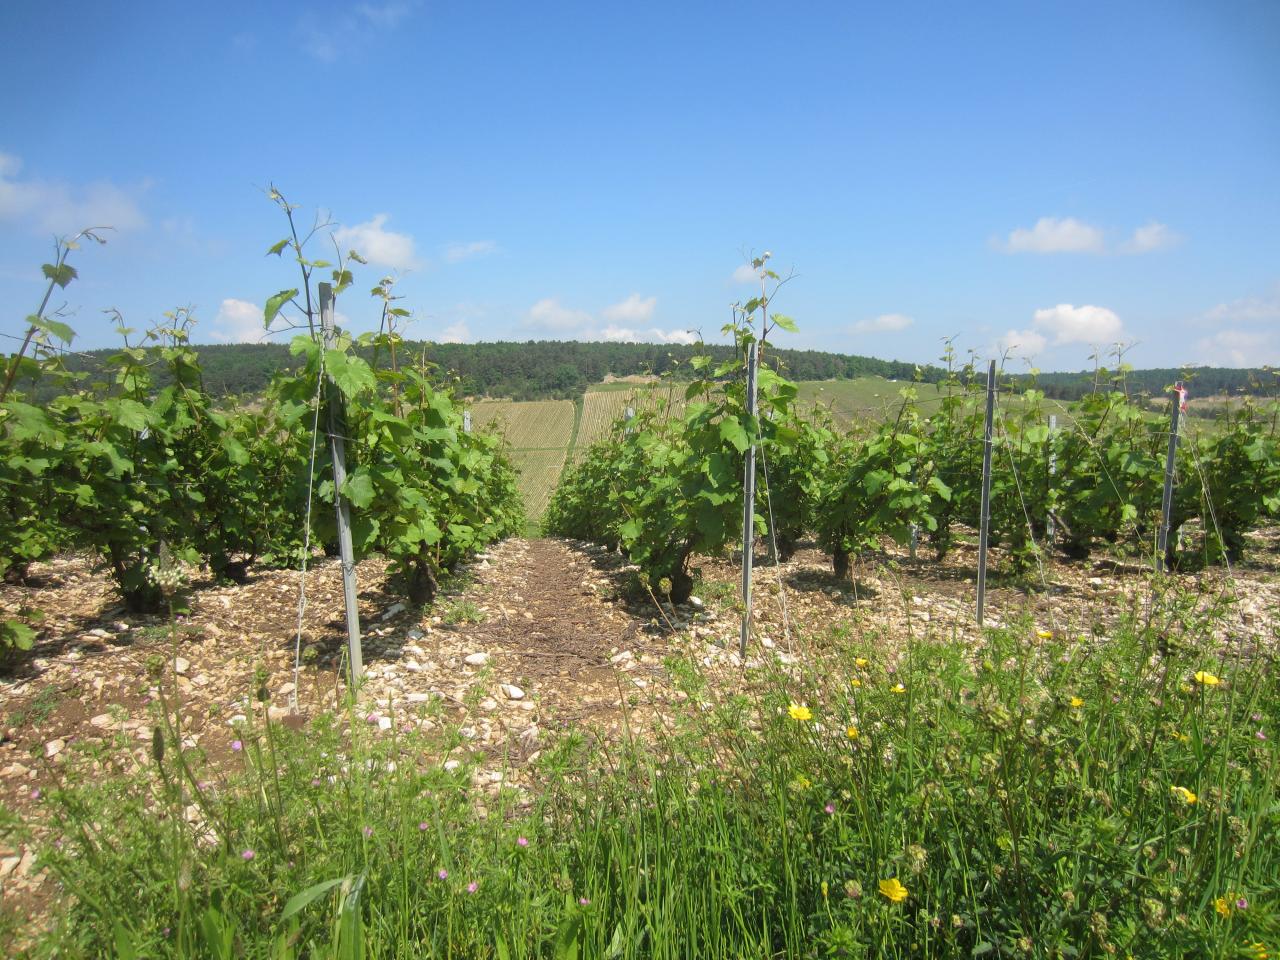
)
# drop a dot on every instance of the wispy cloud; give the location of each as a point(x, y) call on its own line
point(54, 206)
point(885, 323)
point(386, 15)
point(326, 38)
point(1052, 235)
point(626, 321)
point(1069, 235)
point(1149, 238)
point(458, 252)
point(746, 274)
point(458, 332)
point(1239, 348)
point(631, 310)
point(378, 245)
point(1263, 309)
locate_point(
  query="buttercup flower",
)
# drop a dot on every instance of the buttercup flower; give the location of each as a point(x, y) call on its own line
point(862, 663)
point(800, 712)
point(1183, 794)
point(898, 688)
point(893, 890)
point(1044, 634)
point(1221, 908)
point(1076, 703)
point(855, 683)
point(1206, 679)
point(851, 732)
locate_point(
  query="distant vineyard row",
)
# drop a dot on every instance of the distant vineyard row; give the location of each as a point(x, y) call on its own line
point(668, 487)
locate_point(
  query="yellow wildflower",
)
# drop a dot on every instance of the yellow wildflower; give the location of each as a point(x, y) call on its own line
point(855, 683)
point(1180, 736)
point(1206, 679)
point(851, 732)
point(898, 688)
point(1183, 794)
point(1076, 703)
point(1258, 951)
point(1044, 634)
point(800, 712)
point(893, 890)
point(1222, 907)
point(825, 889)
point(862, 663)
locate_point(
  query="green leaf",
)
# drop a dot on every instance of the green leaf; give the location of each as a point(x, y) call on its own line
point(132, 414)
point(274, 304)
point(358, 488)
point(16, 634)
point(731, 431)
point(55, 327)
point(351, 374)
point(785, 322)
point(300, 901)
point(61, 274)
point(278, 247)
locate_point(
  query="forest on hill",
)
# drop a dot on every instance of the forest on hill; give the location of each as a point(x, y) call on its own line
point(545, 369)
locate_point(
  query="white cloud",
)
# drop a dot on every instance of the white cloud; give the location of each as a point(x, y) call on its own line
point(456, 333)
point(633, 309)
point(457, 252)
point(1239, 348)
point(621, 322)
point(1248, 309)
point(550, 313)
point(885, 323)
point(1027, 343)
point(616, 334)
point(1083, 324)
point(386, 15)
point(52, 206)
point(1152, 236)
point(238, 321)
point(1051, 235)
point(384, 247)
point(746, 274)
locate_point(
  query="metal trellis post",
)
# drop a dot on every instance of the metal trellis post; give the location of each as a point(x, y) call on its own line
point(1166, 504)
point(984, 520)
point(338, 450)
point(749, 504)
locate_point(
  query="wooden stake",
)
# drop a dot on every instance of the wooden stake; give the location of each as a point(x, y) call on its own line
point(337, 448)
point(984, 520)
point(749, 505)
point(1166, 504)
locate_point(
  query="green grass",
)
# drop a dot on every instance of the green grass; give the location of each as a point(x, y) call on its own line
point(1074, 795)
point(38, 709)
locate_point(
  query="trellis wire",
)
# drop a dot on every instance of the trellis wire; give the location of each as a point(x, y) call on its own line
point(306, 538)
point(773, 539)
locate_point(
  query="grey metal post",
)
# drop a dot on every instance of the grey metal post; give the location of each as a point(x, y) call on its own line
point(1166, 504)
point(1050, 525)
point(466, 421)
point(749, 505)
point(337, 448)
point(984, 519)
point(631, 415)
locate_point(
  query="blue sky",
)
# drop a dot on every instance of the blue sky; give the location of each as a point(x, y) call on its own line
point(1042, 176)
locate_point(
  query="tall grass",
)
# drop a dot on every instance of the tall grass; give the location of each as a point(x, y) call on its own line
point(1046, 795)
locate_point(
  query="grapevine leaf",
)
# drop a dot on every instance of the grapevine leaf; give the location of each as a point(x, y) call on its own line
point(61, 274)
point(274, 304)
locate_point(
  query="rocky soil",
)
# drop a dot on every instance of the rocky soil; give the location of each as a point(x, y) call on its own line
point(536, 636)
